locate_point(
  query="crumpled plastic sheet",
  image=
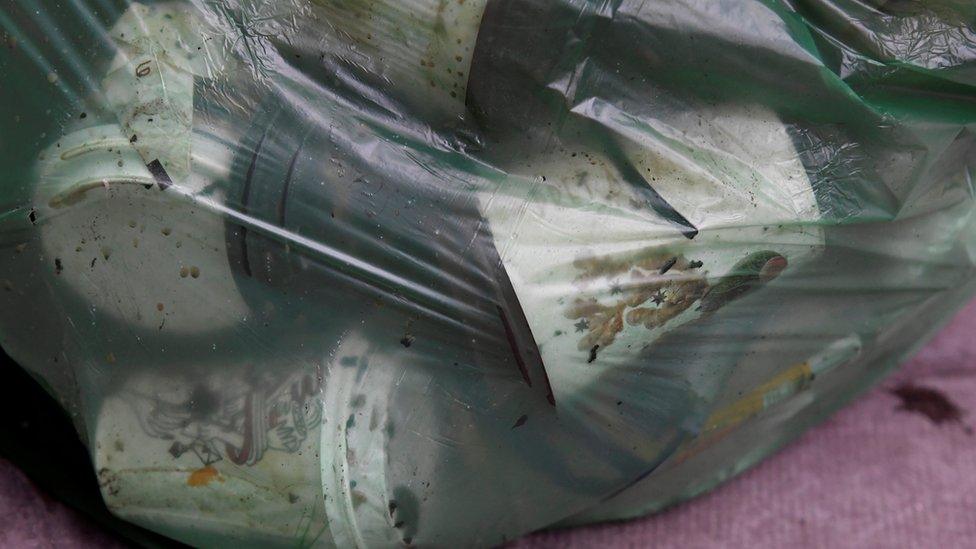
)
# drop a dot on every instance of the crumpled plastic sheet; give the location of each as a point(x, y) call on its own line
point(430, 272)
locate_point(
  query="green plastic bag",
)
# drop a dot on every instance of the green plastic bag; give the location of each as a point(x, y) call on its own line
point(419, 272)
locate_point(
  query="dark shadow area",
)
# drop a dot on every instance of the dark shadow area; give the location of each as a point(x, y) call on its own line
point(37, 436)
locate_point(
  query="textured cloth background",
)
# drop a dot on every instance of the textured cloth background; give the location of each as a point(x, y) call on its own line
point(874, 475)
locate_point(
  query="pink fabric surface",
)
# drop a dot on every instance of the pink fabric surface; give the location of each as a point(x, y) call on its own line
point(874, 475)
point(30, 518)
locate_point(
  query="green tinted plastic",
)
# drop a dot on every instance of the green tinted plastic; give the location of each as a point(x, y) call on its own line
point(442, 273)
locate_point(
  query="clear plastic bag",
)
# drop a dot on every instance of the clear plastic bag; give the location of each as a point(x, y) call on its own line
point(336, 272)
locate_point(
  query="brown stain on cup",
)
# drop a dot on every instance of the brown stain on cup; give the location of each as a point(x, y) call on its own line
point(204, 476)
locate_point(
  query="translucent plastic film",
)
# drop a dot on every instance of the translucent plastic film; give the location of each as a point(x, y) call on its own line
point(445, 272)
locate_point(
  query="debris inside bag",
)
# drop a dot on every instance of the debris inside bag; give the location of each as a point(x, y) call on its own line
point(435, 273)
